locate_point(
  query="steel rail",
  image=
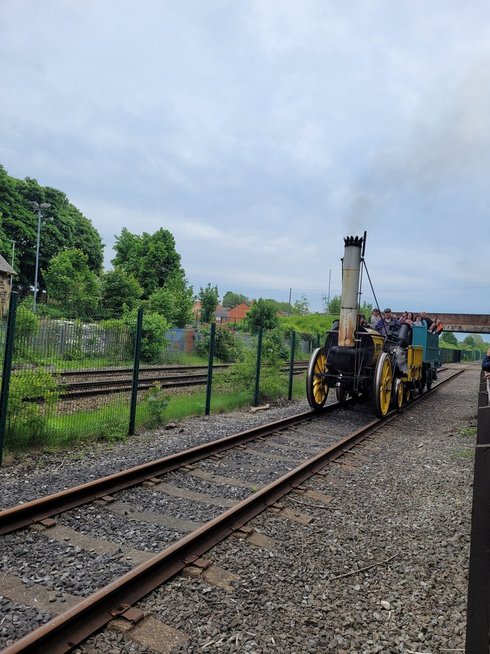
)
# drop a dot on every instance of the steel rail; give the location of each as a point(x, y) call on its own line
point(65, 631)
point(34, 511)
point(23, 515)
point(112, 386)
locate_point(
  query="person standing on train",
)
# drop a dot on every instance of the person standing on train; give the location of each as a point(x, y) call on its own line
point(437, 327)
point(375, 317)
point(425, 318)
point(406, 317)
point(387, 324)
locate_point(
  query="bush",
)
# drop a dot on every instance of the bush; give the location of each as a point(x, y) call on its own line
point(32, 394)
point(157, 403)
point(153, 339)
point(26, 326)
point(226, 347)
point(114, 428)
point(241, 377)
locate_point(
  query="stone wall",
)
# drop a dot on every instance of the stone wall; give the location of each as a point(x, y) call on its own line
point(4, 292)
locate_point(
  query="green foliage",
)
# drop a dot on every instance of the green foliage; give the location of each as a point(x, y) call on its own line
point(72, 286)
point(280, 307)
point(151, 258)
point(63, 226)
point(226, 346)
point(26, 326)
point(366, 310)
point(308, 327)
point(468, 431)
point(174, 300)
point(241, 376)
point(449, 338)
point(27, 418)
point(209, 299)
point(120, 291)
point(334, 305)
point(113, 428)
point(232, 300)
point(153, 338)
point(274, 349)
point(262, 314)
point(301, 306)
point(26, 321)
point(157, 402)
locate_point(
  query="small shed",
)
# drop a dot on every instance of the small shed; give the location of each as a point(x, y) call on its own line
point(6, 272)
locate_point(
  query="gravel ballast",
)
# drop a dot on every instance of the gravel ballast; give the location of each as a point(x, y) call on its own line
point(382, 568)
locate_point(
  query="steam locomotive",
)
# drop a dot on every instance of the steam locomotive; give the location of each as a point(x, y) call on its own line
point(358, 361)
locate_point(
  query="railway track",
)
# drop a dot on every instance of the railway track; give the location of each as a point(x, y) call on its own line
point(272, 460)
point(186, 376)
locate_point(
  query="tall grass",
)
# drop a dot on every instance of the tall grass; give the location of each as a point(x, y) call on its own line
point(110, 421)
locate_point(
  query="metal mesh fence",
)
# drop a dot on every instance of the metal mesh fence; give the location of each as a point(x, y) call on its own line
point(70, 380)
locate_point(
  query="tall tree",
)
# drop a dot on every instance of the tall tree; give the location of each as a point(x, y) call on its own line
point(119, 291)
point(151, 258)
point(72, 285)
point(262, 313)
point(63, 226)
point(174, 301)
point(209, 299)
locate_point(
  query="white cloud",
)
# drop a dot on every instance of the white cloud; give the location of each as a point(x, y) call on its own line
point(262, 133)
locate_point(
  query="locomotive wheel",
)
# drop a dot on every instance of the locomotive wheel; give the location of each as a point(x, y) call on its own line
point(316, 388)
point(383, 382)
point(399, 395)
point(341, 394)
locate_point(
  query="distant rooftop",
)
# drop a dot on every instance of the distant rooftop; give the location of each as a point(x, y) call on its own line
point(5, 267)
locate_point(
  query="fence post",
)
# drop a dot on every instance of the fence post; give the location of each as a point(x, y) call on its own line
point(257, 369)
point(209, 382)
point(7, 369)
point(136, 371)
point(291, 365)
point(478, 614)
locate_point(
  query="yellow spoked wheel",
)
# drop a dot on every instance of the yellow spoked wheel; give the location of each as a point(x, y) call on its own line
point(316, 387)
point(399, 395)
point(383, 382)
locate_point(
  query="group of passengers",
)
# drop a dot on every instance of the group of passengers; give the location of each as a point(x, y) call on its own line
point(388, 321)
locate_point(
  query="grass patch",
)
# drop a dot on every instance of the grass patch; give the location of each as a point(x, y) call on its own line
point(462, 454)
point(110, 422)
point(468, 431)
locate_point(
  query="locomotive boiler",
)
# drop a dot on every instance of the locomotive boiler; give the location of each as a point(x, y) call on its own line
point(360, 362)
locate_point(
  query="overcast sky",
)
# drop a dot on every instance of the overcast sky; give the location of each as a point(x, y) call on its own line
point(260, 133)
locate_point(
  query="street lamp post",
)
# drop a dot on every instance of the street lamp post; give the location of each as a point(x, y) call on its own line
point(38, 207)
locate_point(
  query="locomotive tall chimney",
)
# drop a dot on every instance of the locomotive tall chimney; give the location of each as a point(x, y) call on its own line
point(351, 266)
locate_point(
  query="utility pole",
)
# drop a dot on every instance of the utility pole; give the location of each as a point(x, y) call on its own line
point(328, 296)
point(38, 207)
point(290, 291)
